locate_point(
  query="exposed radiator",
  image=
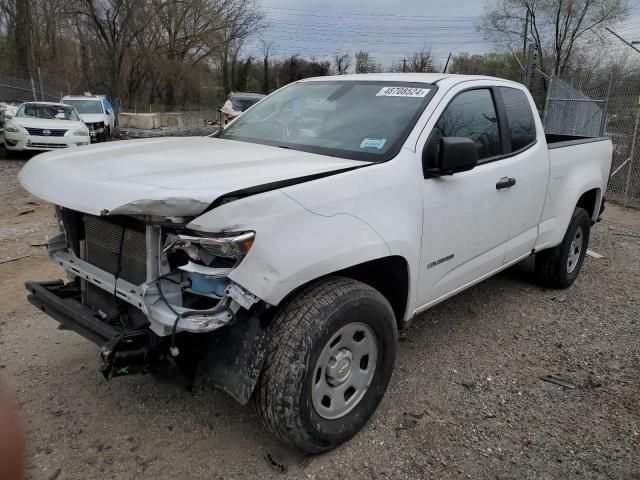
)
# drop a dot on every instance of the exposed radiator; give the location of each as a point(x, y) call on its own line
point(102, 247)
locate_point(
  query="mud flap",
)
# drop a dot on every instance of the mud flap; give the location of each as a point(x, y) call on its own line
point(234, 357)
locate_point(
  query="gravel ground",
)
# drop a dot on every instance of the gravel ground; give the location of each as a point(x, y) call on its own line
point(466, 400)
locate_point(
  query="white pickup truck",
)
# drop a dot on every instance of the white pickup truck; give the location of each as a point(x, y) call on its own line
point(281, 258)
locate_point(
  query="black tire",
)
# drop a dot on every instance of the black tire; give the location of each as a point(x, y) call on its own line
point(107, 134)
point(302, 328)
point(552, 266)
point(9, 154)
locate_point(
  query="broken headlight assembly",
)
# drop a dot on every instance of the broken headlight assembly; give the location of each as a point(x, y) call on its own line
point(233, 246)
point(207, 259)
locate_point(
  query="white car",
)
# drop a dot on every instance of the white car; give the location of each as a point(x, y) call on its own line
point(7, 110)
point(96, 112)
point(280, 258)
point(42, 126)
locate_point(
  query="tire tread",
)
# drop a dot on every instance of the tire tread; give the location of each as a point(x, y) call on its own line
point(291, 325)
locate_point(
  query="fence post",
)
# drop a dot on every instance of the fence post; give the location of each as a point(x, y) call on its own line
point(528, 75)
point(546, 100)
point(631, 158)
point(33, 89)
point(40, 84)
point(605, 109)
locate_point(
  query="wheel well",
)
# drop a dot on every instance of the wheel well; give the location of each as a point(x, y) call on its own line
point(588, 201)
point(388, 275)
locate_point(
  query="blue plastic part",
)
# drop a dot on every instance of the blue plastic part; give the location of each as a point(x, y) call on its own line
point(203, 284)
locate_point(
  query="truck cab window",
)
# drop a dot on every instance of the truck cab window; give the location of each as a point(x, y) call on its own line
point(519, 118)
point(472, 115)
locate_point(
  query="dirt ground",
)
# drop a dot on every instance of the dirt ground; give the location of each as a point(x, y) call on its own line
point(466, 400)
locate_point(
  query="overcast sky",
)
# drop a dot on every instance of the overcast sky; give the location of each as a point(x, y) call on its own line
point(389, 30)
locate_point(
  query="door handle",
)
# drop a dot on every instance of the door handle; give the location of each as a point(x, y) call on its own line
point(505, 182)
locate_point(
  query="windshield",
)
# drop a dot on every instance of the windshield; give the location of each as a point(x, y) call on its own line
point(241, 104)
point(362, 120)
point(85, 106)
point(47, 111)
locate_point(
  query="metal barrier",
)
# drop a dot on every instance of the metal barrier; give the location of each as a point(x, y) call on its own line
point(593, 104)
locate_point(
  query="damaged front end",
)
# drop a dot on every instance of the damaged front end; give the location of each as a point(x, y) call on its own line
point(140, 286)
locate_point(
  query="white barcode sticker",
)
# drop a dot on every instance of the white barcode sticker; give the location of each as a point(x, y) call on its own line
point(403, 92)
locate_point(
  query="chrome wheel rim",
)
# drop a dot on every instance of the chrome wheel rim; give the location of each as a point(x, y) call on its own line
point(575, 250)
point(344, 370)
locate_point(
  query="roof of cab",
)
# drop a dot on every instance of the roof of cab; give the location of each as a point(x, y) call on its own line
point(82, 97)
point(430, 78)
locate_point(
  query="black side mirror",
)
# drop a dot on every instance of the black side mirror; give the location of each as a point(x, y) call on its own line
point(449, 155)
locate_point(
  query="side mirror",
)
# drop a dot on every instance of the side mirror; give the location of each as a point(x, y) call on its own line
point(448, 156)
point(8, 116)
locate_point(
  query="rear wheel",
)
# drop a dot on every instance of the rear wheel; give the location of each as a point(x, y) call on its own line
point(559, 267)
point(332, 353)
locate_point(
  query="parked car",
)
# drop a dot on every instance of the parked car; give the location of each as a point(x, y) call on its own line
point(42, 126)
point(97, 113)
point(281, 258)
point(236, 103)
point(7, 111)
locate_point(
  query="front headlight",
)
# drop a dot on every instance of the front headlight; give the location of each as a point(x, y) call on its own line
point(11, 128)
point(81, 132)
point(231, 245)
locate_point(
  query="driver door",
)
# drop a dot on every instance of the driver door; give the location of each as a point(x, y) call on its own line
point(466, 215)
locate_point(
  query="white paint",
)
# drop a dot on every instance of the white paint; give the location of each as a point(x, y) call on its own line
point(316, 228)
point(593, 254)
point(187, 174)
point(109, 118)
point(26, 142)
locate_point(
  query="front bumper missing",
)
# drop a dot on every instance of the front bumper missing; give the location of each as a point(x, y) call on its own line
point(122, 351)
point(147, 298)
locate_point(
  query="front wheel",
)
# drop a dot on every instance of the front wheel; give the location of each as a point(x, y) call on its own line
point(9, 154)
point(559, 267)
point(332, 353)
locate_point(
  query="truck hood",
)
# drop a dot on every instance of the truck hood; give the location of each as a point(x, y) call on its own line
point(92, 117)
point(165, 177)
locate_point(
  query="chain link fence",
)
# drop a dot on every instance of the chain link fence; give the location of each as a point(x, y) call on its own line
point(593, 103)
point(16, 88)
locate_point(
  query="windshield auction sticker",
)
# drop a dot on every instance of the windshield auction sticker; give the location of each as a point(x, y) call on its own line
point(403, 92)
point(377, 143)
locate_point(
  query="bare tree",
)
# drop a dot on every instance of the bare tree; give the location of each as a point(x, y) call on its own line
point(115, 26)
point(419, 62)
point(365, 63)
point(240, 19)
point(557, 27)
point(342, 63)
point(135, 50)
point(266, 47)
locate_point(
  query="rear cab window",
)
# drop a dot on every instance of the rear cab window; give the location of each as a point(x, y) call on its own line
point(520, 120)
